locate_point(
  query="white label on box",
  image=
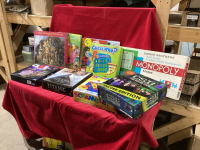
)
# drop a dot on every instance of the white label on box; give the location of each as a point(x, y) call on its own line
point(28, 82)
point(193, 17)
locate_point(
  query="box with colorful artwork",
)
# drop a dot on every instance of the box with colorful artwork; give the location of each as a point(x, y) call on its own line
point(33, 74)
point(132, 93)
point(104, 60)
point(87, 93)
point(74, 48)
point(167, 68)
point(51, 48)
point(86, 44)
point(65, 81)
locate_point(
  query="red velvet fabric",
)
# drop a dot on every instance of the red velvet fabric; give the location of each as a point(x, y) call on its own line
point(40, 112)
point(133, 27)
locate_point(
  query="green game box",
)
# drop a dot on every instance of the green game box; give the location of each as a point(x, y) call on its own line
point(74, 48)
point(104, 60)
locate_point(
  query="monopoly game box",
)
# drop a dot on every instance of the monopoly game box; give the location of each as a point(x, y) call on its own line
point(167, 68)
point(132, 93)
point(33, 74)
point(65, 81)
point(104, 60)
point(87, 93)
point(51, 48)
point(86, 44)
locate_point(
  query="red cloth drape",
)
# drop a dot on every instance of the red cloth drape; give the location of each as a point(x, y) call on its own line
point(133, 27)
point(40, 112)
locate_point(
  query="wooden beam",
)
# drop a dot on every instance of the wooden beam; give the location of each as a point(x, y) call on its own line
point(163, 8)
point(188, 111)
point(7, 39)
point(30, 20)
point(18, 36)
point(174, 127)
point(182, 5)
point(3, 74)
point(154, 2)
point(174, 3)
point(183, 33)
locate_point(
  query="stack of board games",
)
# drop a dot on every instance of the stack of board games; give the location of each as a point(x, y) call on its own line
point(86, 44)
point(167, 68)
point(65, 81)
point(104, 60)
point(51, 48)
point(33, 75)
point(87, 93)
point(74, 48)
point(132, 93)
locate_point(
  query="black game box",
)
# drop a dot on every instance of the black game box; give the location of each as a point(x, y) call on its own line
point(33, 74)
point(132, 93)
point(65, 81)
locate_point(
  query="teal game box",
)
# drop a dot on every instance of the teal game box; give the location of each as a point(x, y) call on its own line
point(104, 60)
point(132, 93)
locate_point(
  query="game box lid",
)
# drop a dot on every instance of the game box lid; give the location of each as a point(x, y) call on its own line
point(68, 78)
point(33, 74)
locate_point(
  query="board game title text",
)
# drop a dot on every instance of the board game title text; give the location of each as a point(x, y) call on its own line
point(143, 81)
point(104, 48)
point(54, 87)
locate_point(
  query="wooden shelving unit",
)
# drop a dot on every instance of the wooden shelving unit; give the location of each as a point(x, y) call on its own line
point(168, 31)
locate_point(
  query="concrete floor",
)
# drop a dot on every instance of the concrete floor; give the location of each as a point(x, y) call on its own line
point(10, 135)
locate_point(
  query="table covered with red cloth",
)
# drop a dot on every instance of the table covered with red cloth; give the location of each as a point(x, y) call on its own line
point(40, 112)
point(133, 27)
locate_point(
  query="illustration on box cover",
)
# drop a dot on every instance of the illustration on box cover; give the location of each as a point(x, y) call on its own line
point(67, 77)
point(35, 71)
point(49, 50)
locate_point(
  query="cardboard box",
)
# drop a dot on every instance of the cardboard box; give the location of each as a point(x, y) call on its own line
point(86, 44)
point(65, 81)
point(104, 60)
point(190, 19)
point(45, 7)
point(52, 143)
point(87, 93)
point(170, 69)
point(33, 74)
point(132, 93)
point(74, 49)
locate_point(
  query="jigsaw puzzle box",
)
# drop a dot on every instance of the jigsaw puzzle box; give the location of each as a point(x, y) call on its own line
point(167, 68)
point(87, 93)
point(132, 93)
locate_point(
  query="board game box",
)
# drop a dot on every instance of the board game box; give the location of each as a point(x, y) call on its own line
point(33, 74)
point(167, 68)
point(87, 93)
point(51, 48)
point(86, 44)
point(74, 48)
point(65, 81)
point(104, 60)
point(132, 93)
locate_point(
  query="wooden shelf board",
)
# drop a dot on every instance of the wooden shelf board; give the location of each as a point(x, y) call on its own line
point(23, 64)
point(44, 21)
point(177, 32)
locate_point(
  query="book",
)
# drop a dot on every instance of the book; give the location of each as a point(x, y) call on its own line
point(65, 81)
point(132, 93)
point(74, 48)
point(33, 74)
point(104, 60)
point(87, 93)
point(167, 68)
point(86, 44)
point(51, 48)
